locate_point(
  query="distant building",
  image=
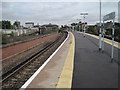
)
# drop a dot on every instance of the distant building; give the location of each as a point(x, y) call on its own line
point(16, 25)
point(29, 24)
point(98, 24)
point(119, 11)
point(50, 26)
point(36, 26)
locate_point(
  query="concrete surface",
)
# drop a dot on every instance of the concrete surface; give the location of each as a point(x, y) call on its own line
point(65, 80)
point(49, 76)
point(93, 69)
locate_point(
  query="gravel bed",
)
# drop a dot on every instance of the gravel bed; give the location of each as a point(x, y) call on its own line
point(13, 61)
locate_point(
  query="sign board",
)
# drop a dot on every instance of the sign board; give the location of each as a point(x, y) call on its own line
point(109, 16)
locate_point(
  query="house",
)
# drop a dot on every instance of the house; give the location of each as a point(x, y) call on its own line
point(50, 26)
point(36, 26)
point(29, 24)
point(16, 25)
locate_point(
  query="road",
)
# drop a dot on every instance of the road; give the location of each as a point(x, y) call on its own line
point(93, 69)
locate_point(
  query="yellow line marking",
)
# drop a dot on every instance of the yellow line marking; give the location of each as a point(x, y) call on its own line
point(65, 80)
point(116, 44)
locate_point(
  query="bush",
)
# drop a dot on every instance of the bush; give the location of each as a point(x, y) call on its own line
point(12, 34)
point(5, 39)
point(50, 31)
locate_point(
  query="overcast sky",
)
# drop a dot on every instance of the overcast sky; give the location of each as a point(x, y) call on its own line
point(55, 12)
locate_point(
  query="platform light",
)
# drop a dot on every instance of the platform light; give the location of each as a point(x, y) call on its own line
point(83, 14)
point(100, 31)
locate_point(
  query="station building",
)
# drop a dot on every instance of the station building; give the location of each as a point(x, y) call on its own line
point(50, 26)
point(29, 24)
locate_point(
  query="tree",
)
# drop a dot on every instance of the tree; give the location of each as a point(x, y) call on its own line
point(6, 24)
point(4, 39)
point(0, 24)
point(92, 30)
point(73, 24)
point(62, 26)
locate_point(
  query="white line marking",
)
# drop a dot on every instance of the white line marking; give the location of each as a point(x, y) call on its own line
point(39, 70)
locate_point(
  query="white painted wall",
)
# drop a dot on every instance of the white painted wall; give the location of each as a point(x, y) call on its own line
point(19, 32)
point(29, 25)
point(16, 32)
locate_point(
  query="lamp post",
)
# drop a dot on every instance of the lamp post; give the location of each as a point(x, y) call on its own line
point(84, 21)
point(100, 31)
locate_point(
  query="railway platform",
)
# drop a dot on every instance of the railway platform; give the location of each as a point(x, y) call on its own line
point(79, 64)
point(55, 73)
point(93, 68)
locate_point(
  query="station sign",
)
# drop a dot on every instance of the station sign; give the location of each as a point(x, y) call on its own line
point(109, 16)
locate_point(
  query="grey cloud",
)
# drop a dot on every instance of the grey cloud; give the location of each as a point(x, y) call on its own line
point(55, 12)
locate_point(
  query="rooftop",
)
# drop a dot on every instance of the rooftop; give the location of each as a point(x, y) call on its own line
point(29, 23)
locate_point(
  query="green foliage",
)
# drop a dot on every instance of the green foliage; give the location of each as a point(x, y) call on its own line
point(73, 24)
point(77, 28)
point(117, 34)
point(6, 24)
point(64, 27)
point(0, 24)
point(12, 34)
point(11, 27)
point(91, 30)
point(50, 31)
point(108, 33)
point(4, 39)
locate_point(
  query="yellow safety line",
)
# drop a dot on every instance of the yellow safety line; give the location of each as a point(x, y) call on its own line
point(117, 45)
point(65, 80)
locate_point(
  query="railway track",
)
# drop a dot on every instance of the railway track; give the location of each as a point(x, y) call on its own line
point(19, 74)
